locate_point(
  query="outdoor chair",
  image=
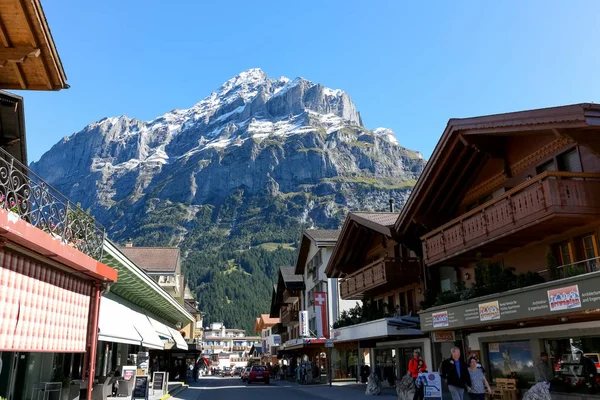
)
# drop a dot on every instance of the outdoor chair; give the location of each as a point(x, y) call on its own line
point(102, 390)
point(74, 391)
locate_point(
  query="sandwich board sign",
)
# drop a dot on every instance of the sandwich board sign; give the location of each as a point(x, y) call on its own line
point(432, 385)
point(141, 387)
point(159, 381)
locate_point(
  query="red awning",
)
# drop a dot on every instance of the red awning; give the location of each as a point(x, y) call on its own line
point(41, 308)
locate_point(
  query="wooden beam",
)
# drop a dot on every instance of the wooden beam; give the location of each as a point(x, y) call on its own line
point(20, 76)
point(17, 54)
point(4, 34)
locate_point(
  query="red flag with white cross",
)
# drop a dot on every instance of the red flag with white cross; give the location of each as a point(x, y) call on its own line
point(322, 324)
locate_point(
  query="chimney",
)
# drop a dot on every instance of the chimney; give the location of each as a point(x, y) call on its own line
point(129, 243)
point(391, 205)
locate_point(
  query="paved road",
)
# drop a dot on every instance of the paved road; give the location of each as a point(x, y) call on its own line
point(235, 389)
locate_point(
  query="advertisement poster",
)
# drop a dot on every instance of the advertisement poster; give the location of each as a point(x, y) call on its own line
point(564, 298)
point(489, 311)
point(433, 384)
point(440, 319)
point(512, 358)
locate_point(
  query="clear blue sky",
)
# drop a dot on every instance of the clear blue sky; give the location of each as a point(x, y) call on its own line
point(409, 66)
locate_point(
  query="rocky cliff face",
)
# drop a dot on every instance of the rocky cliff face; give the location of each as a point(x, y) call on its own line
point(252, 163)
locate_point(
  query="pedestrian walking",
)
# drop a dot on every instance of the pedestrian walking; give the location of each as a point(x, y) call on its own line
point(479, 385)
point(456, 373)
point(417, 365)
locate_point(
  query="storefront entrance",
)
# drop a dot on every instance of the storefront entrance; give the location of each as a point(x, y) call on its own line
point(21, 372)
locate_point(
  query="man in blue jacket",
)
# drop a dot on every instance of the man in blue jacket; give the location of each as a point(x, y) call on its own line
point(456, 373)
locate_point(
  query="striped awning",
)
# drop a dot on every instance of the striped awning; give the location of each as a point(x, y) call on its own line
point(41, 308)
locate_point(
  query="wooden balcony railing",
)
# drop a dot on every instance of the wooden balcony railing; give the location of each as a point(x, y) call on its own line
point(549, 194)
point(288, 316)
point(290, 297)
point(378, 274)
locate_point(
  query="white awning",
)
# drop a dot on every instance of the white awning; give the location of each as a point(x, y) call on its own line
point(179, 340)
point(149, 336)
point(160, 328)
point(115, 321)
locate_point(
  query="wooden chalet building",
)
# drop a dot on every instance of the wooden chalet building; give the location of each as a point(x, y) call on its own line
point(374, 267)
point(507, 216)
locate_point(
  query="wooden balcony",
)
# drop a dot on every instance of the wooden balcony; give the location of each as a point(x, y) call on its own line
point(288, 316)
point(546, 205)
point(290, 296)
point(379, 276)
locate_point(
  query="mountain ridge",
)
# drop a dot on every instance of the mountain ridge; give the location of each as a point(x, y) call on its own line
point(253, 163)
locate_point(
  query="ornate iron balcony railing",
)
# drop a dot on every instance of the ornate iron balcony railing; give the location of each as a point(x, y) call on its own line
point(35, 201)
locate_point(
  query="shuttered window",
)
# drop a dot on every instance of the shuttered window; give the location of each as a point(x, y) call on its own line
point(569, 161)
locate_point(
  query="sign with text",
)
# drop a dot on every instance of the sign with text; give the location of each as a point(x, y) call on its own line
point(440, 319)
point(575, 294)
point(159, 381)
point(128, 372)
point(329, 343)
point(432, 384)
point(303, 318)
point(140, 387)
point(489, 311)
point(443, 336)
point(564, 298)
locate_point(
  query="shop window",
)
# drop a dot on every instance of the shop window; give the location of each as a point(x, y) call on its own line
point(569, 161)
point(391, 304)
point(565, 253)
point(512, 359)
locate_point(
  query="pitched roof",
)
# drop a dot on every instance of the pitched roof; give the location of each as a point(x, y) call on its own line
point(387, 219)
point(318, 237)
point(153, 259)
point(458, 148)
point(322, 235)
point(289, 276)
point(352, 237)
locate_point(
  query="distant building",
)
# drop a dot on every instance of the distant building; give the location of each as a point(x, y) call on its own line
point(163, 264)
point(227, 347)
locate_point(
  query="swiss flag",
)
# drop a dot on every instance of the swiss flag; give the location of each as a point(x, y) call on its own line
point(320, 301)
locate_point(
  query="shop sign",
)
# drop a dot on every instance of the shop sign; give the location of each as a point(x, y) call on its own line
point(440, 319)
point(443, 336)
point(582, 293)
point(303, 318)
point(489, 311)
point(564, 298)
point(329, 343)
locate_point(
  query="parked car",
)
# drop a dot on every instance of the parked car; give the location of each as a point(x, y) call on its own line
point(227, 371)
point(595, 357)
point(258, 373)
point(245, 373)
point(238, 371)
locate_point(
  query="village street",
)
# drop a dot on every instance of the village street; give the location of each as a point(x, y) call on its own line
point(234, 389)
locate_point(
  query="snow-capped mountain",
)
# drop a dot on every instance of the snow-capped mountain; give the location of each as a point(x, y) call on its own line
point(252, 163)
point(118, 158)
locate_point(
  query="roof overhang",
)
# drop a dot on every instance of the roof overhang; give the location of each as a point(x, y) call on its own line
point(460, 153)
point(351, 241)
point(137, 287)
point(305, 243)
point(28, 56)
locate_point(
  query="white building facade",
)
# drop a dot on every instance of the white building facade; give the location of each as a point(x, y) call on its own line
point(227, 347)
